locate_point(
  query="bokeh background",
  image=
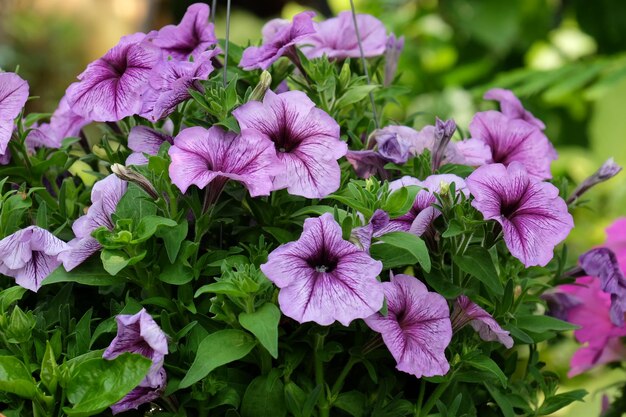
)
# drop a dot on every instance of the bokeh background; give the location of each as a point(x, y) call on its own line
point(566, 59)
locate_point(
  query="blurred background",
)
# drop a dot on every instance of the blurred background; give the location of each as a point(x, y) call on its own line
point(566, 60)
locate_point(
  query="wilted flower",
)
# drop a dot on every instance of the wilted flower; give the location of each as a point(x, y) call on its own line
point(607, 171)
point(306, 141)
point(140, 334)
point(105, 195)
point(144, 140)
point(111, 87)
point(13, 96)
point(533, 216)
point(30, 255)
point(201, 156)
point(514, 140)
point(467, 312)
point(279, 38)
point(192, 36)
point(416, 328)
point(64, 123)
point(323, 278)
point(511, 107)
point(392, 55)
point(337, 38)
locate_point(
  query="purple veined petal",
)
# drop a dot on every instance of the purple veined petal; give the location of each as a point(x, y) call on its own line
point(467, 312)
point(362, 236)
point(15, 250)
point(392, 147)
point(146, 391)
point(323, 278)
point(471, 152)
point(110, 88)
point(367, 163)
point(514, 140)
point(13, 95)
point(143, 139)
point(512, 107)
point(417, 327)
point(105, 195)
point(534, 218)
point(192, 36)
point(80, 249)
point(64, 123)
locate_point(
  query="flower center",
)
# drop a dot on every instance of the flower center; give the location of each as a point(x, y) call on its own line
point(323, 262)
point(321, 268)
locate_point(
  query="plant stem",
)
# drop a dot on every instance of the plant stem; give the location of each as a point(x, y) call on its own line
point(342, 376)
point(319, 376)
point(420, 398)
point(441, 388)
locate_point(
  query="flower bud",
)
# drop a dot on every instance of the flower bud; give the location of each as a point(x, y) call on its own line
point(443, 134)
point(264, 83)
point(607, 171)
point(129, 175)
point(20, 326)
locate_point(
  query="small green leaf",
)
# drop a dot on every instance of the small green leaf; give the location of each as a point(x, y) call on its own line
point(10, 296)
point(149, 225)
point(540, 324)
point(263, 323)
point(217, 349)
point(264, 397)
point(354, 94)
point(399, 249)
point(455, 228)
point(15, 378)
point(501, 400)
point(477, 262)
point(172, 238)
point(552, 404)
point(113, 260)
point(88, 273)
point(49, 373)
point(487, 365)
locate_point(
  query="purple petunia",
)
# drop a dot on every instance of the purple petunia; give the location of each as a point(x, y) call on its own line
point(105, 195)
point(514, 140)
point(337, 39)
point(140, 334)
point(533, 216)
point(192, 36)
point(417, 327)
point(144, 140)
point(323, 278)
point(111, 87)
point(64, 123)
point(367, 163)
point(13, 96)
point(511, 107)
point(30, 255)
point(306, 141)
point(467, 312)
point(201, 156)
point(279, 38)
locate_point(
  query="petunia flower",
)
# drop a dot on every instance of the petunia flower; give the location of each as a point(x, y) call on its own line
point(323, 278)
point(144, 140)
point(465, 312)
point(616, 239)
point(201, 156)
point(13, 96)
point(337, 39)
point(512, 107)
point(279, 38)
point(192, 36)
point(367, 163)
point(30, 255)
point(513, 140)
point(533, 216)
point(139, 333)
point(306, 141)
point(105, 195)
point(64, 123)
point(417, 327)
point(170, 82)
point(111, 87)
point(362, 236)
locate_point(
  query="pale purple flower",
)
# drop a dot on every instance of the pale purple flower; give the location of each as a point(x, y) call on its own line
point(513, 140)
point(533, 216)
point(607, 170)
point(323, 278)
point(417, 327)
point(111, 87)
point(13, 96)
point(306, 140)
point(144, 140)
point(362, 236)
point(422, 213)
point(279, 38)
point(391, 146)
point(367, 163)
point(64, 123)
point(392, 55)
point(602, 263)
point(30, 255)
point(192, 36)
point(201, 156)
point(336, 37)
point(140, 334)
point(105, 195)
point(512, 107)
point(465, 311)
point(170, 82)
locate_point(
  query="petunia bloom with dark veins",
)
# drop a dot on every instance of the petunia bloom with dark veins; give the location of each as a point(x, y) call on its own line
point(534, 218)
point(30, 255)
point(306, 141)
point(144, 140)
point(111, 87)
point(417, 327)
point(13, 96)
point(192, 36)
point(323, 278)
point(139, 333)
point(465, 312)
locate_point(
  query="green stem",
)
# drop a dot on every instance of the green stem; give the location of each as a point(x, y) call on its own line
point(319, 376)
point(420, 398)
point(342, 376)
point(441, 388)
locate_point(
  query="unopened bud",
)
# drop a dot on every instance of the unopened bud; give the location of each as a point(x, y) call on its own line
point(261, 88)
point(129, 175)
point(607, 171)
point(443, 134)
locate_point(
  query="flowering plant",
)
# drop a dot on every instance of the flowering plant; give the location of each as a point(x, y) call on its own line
point(249, 235)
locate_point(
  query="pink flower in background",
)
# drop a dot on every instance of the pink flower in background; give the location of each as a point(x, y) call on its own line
point(13, 96)
point(467, 312)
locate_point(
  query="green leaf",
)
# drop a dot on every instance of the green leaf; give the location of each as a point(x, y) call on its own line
point(172, 238)
point(176, 274)
point(113, 260)
point(501, 400)
point(354, 94)
point(135, 204)
point(352, 402)
point(149, 225)
point(552, 404)
point(221, 287)
point(477, 262)
point(88, 273)
point(97, 383)
point(319, 210)
point(455, 228)
point(487, 365)
point(10, 296)
point(399, 249)
point(401, 200)
point(15, 378)
point(263, 323)
point(280, 234)
point(264, 397)
point(217, 349)
point(540, 324)
point(49, 373)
